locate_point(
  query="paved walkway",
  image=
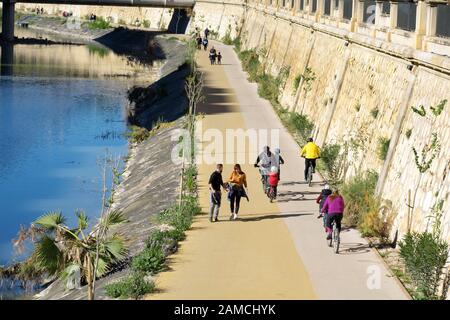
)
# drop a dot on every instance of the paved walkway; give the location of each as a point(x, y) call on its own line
point(274, 251)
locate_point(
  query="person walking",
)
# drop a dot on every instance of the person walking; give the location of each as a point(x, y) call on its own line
point(334, 206)
point(215, 183)
point(236, 182)
point(212, 55)
point(205, 44)
point(219, 58)
point(199, 42)
point(206, 32)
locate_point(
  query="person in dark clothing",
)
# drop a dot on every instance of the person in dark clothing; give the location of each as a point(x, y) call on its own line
point(205, 44)
point(326, 191)
point(212, 55)
point(215, 183)
point(206, 32)
point(219, 58)
point(199, 42)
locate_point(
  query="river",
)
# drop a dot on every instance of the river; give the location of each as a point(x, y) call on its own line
point(61, 111)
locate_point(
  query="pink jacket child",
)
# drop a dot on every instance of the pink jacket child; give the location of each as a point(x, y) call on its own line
point(335, 207)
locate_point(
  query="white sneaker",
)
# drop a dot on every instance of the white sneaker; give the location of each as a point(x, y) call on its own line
point(235, 216)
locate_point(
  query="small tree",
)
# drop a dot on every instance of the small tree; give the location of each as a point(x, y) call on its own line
point(194, 92)
point(425, 158)
point(66, 252)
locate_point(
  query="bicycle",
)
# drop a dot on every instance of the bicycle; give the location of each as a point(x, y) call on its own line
point(309, 175)
point(264, 180)
point(272, 193)
point(335, 239)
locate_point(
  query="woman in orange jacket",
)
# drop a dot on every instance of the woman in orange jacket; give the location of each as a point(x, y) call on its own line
point(236, 182)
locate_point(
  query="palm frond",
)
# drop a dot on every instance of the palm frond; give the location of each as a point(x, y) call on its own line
point(114, 248)
point(50, 220)
point(113, 218)
point(102, 267)
point(47, 255)
point(72, 275)
point(82, 219)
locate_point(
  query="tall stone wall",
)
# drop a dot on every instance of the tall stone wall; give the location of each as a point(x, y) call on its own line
point(157, 18)
point(361, 94)
point(221, 17)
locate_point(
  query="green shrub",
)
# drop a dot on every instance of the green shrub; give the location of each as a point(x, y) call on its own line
point(383, 147)
point(374, 112)
point(133, 286)
point(180, 217)
point(146, 23)
point(330, 163)
point(269, 88)
point(137, 134)
point(166, 240)
point(297, 80)
point(99, 23)
point(237, 44)
point(189, 179)
point(251, 64)
point(408, 133)
point(358, 194)
point(150, 260)
point(301, 125)
point(425, 256)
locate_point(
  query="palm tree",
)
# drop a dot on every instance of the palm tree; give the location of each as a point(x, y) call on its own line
point(66, 253)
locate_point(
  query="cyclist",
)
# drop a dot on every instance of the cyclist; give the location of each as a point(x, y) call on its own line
point(334, 206)
point(310, 152)
point(265, 158)
point(326, 191)
point(277, 160)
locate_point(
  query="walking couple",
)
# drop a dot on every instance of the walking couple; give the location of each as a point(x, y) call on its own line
point(235, 186)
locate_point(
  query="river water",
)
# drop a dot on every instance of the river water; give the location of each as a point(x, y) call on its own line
point(61, 111)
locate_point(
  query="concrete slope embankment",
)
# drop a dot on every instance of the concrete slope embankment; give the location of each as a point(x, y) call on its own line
point(149, 173)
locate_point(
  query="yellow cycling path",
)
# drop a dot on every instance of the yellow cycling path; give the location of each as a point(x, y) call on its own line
point(253, 257)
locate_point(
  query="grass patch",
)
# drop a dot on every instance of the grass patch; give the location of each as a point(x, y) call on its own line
point(408, 133)
point(99, 23)
point(383, 147)
point(297, 124)
point(297, 80)
point(374, 112)
point(137, 134)
point(358, 193)
point(134, 286)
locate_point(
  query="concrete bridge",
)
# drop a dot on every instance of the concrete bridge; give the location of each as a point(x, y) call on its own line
point(8, 8)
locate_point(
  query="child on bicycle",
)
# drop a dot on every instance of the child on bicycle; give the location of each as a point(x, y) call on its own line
point(334, 205)
point(326, 191)
point(273, 181)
